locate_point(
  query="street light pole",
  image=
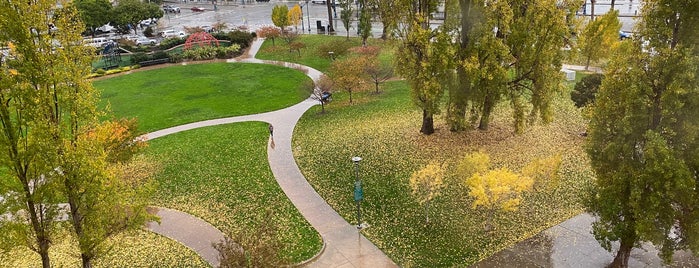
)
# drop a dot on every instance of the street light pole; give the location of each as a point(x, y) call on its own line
point(308, 11)
point(358, 192)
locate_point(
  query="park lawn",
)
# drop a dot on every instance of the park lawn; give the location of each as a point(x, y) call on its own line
point(383, 129)
point(312, 55)
point(139, 249)
point(221, 175)
point(177, 95)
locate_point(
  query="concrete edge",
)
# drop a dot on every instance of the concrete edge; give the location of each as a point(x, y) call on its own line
point(312, 259)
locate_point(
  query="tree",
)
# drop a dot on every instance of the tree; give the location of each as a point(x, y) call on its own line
point(280, 16)
point(348, 74)
point(94, 13)
point(544, 172)
point(294, 16)
point(320, 91)
point(389, 14)
point(378, 72)
point(31, 80)
point(424, 60)
point(222, 26)
point(269, 32)
point(364, 24)
point(346, 14)
point(426, 184)
point(586, 89)
point(56, 149)
point(329, 4)
point(493, 190)
point(643, 138)
point(599, 37)
point(129, 13)
point(259, 247)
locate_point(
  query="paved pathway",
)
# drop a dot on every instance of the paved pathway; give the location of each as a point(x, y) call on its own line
point(344, 245)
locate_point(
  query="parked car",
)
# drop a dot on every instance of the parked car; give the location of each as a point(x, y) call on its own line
point(318, 1)
point(171, 9)
point(172, 33)
point(145, 41)
point(623, 35)
point(198, 9)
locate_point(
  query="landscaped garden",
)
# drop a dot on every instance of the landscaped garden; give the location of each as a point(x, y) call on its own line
point(178, 95)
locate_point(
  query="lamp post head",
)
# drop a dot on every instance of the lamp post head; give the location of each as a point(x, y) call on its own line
point(356, 159)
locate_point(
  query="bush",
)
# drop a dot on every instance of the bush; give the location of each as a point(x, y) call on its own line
point(171, 42)
point(207, 53)
point(338, 47)
point(240, 37)
point(139, 57)
point(585, 90)
point(100, 71)
point(159, 55)
point(148, 31)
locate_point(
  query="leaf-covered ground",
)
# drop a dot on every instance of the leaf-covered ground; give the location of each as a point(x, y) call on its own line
point(141, 249)
point(175, 95)
point(221, 174)
point(384, 130)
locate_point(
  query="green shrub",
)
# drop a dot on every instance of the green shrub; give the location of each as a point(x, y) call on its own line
point(585, 90)
point(148, 31)
point(240, 37)
point(338, 47)
point(159, 55)
point(100, 71)
point(171, 42)
point(139, 57)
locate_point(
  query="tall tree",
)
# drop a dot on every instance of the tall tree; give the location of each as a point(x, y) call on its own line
point(424, 60)
point(330, 4)
point(599, 37)
point(389, 14)
point(364, 24)
point(643, 140)
point(295, 15)
point(280, 16)
point(346, 14)
point(32, 80)
point(94, 13)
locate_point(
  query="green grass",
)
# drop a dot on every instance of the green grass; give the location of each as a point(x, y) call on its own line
point(311, 55)
point(221, 174)
point(384, 130)
point(178, 95)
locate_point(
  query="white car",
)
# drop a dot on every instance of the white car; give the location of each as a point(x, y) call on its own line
point(172, 33)
point(145, 41)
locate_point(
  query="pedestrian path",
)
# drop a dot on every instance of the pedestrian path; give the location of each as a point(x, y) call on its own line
point(344, 246)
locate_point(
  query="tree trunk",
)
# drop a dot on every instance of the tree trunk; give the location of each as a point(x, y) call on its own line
point(458, 98)
point(42, 239)
point(350, 93)
point(384, 32)
point(87, 261)
point(330, 17)
point(612, 5)
point(592, 9)
point(622, 256)
point(488, 104)
point(427, 123)
point(76, 218)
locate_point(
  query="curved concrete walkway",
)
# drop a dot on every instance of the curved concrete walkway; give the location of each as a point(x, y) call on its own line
point(344, 245)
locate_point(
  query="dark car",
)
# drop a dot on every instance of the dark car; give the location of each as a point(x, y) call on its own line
point(198, 9)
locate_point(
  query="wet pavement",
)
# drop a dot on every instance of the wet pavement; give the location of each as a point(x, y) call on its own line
point(571, 244)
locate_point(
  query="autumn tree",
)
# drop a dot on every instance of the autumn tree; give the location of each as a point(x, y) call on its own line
point(492, 189)
point(269, 32)
point(220, 27)
point(294, 16)
point(94, 13)
point(378, 72)
point(280, 16)
point(346, 11)
point(56, 149)
point(426, 184)
point(544, 172)
point(258, 247)
point(348, 74)
point(424, 60)
point(319, 90)
point(643, 140)
point(599, 37)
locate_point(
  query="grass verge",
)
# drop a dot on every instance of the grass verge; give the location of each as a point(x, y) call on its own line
point(221, 175)
point(140, 249)
point(384, 130)
point(167, 97)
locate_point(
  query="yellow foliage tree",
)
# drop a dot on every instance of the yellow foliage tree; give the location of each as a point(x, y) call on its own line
point(426, 184)
point(295, 16)
point(544, 172)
